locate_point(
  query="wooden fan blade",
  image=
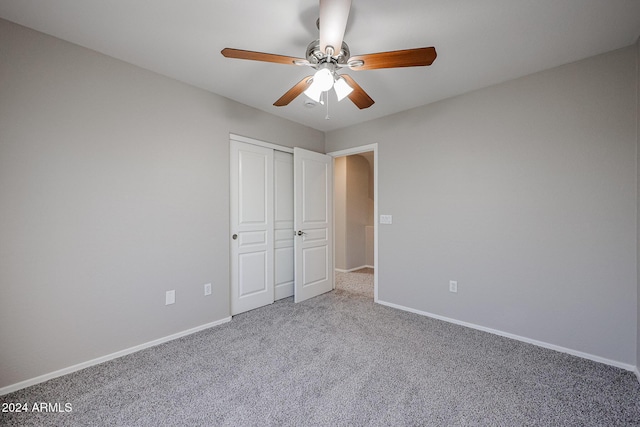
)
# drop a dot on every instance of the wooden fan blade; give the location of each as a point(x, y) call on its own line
point(358, 96)
point(293, 93)
point(418, 57)
point(333, 22)
point(259, 56)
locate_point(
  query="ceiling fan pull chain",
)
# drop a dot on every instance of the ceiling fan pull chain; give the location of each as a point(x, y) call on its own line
point(326, 95)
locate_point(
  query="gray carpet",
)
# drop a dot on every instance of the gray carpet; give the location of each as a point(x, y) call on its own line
point(359, 282)
point(339, 359)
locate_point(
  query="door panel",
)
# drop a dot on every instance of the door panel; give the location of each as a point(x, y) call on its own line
point(253, 170)
point(313, 189)
point(315, 193)
point(315, 266)
point(251, 238)
point(251, 269)
point(316, 235)
point(284, 272)
point(252, 250)
point(283, 222)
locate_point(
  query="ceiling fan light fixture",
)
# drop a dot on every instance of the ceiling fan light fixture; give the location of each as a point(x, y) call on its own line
point(342, 88)
point(313, 91)
point(329, 54)
point(323, 78)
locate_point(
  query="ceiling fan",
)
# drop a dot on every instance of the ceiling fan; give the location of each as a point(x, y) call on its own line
point(323, 56)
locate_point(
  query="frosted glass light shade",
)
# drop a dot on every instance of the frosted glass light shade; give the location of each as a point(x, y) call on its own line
point(342, 88)
point(324, 79)
point(313, 91)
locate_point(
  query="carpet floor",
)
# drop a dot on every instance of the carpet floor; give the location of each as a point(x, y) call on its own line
point(338, 360)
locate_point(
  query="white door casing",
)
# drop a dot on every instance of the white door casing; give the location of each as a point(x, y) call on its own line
point(283, 224)
point(313, 199)
point(252, 227)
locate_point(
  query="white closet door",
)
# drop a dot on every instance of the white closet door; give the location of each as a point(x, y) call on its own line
point(283, 224)
point(313, 195)
point(252, 227)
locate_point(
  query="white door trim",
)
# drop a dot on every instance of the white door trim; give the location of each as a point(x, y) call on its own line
point(357, 150)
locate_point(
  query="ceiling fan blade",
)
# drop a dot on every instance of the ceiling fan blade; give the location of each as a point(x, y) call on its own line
point(333, 22)
point(358, 96)
point(293, 93)
point(264, 57)
point(418, 57)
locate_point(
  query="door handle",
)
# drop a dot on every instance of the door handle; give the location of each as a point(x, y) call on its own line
point(234, 237)
point(300, 232)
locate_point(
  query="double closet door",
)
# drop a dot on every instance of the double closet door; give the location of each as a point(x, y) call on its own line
point(281, 224)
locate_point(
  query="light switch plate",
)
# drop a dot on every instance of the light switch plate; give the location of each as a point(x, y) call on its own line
point(386, 219)
point(170, 297)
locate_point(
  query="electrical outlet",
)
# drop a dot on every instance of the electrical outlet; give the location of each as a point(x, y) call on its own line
point(386, 219)
point(170, 298)
point(453, 286)
point(207, 289)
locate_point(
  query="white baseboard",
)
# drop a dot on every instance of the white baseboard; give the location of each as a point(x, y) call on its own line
point(518, 338)
point(353, 269)
point(42, 378)
point(637, 372)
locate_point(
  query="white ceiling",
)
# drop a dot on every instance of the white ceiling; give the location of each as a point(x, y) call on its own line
point(479, 43)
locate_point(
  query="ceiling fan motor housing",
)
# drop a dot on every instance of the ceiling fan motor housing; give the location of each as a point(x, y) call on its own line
point(315, 56)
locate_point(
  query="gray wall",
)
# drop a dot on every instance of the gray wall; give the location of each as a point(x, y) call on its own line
point(114, 188)
point(340, 211)
point(358, 208)
point(525, 193)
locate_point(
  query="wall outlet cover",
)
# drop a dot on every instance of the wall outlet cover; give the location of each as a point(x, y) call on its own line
point(207, 289)
point(386, 219)
point(453, 286)
point(170, 297)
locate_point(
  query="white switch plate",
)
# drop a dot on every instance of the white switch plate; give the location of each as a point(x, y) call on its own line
point(386, 219)
point(170, 298)
point(453, 286)
point(207, 289)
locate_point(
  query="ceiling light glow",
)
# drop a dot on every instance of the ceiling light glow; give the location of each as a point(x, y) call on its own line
point(313, 91)
point(324, 79)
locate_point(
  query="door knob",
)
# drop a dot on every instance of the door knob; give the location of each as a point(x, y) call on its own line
point(234, 237)
point(300, 232)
